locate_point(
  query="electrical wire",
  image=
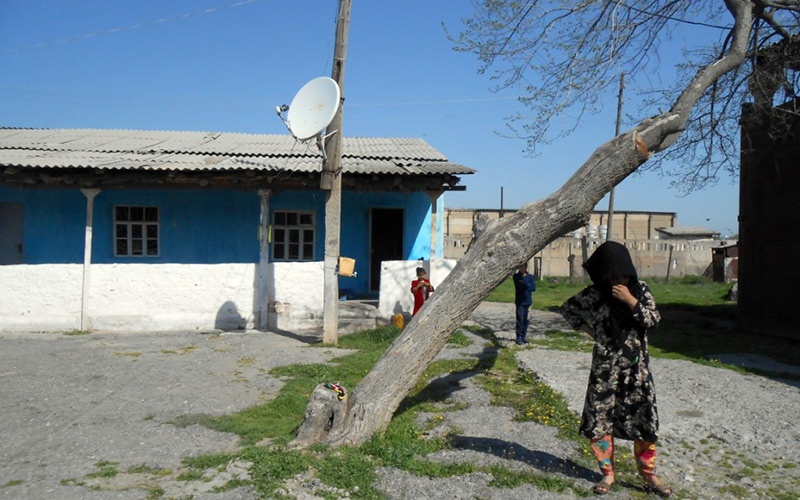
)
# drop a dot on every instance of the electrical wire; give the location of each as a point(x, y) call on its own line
point(129, 28)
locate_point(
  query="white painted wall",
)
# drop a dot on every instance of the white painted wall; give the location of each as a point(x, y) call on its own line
point(172, 296)
point(44, 297)
point(127, 297)
point(162, 297)
point(396, 278)
point(295, 295)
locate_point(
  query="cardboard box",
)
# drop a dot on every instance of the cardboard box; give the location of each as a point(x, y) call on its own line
point(346, 266)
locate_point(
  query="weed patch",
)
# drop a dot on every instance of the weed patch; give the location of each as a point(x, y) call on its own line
point(131, 354)
point(73, 333)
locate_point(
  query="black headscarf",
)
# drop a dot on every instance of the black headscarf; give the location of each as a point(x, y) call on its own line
point(610, 260)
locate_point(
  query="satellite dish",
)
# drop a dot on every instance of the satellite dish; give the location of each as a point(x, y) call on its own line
point(313, 108)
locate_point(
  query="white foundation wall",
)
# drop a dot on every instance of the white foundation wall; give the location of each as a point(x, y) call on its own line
point(163, 297)
point(45, 297)
point(396, 278)
point(296, 295)
point(127, 297)
point(172, 296)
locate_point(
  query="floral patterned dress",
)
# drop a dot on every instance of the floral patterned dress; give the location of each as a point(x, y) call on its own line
point(621, 396)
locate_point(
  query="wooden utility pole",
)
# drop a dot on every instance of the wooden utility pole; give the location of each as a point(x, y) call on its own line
point(331, 181)
point(616, 133)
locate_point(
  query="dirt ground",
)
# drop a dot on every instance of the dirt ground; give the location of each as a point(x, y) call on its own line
point(71, 404)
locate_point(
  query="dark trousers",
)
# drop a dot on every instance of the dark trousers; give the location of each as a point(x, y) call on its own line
point(522, 322)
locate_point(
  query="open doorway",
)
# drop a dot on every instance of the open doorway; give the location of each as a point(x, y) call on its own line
point(11, 223)
point(386, 241)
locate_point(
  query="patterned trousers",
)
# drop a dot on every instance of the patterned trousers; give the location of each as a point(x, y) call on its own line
point(644, 452)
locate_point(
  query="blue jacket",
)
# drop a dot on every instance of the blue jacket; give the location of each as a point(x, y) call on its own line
point(524, 285)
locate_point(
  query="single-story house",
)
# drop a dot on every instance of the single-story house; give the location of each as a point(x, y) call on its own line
point(158, 230)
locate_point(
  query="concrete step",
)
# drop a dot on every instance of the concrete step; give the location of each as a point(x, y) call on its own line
point(357, 315)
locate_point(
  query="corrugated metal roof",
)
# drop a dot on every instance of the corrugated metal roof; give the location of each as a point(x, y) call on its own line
point(687, 231)
point(166, 150)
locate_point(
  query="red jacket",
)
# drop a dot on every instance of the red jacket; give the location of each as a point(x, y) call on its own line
point(421, 294)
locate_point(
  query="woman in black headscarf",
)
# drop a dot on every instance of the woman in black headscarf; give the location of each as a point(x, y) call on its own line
point(616, 311)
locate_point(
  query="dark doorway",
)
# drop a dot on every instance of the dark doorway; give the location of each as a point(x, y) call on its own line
point(386, 241)
point(11, 223)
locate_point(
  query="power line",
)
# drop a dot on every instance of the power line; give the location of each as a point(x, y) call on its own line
point(128, 28)
point(437, 101)
point(676, 19)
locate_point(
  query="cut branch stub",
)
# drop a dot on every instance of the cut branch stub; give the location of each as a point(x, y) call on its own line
point(326, 409)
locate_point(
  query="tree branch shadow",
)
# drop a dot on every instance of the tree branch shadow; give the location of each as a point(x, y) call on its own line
point(540, 460)
point(440, 389)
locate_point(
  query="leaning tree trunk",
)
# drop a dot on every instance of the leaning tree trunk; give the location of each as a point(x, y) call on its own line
point(503, 246)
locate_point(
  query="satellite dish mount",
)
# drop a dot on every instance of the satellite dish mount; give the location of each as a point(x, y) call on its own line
point(312, 110)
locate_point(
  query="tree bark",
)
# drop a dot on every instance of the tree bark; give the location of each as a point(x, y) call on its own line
point(509, 242)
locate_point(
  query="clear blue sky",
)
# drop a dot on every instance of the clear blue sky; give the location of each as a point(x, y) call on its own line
point(223, 65)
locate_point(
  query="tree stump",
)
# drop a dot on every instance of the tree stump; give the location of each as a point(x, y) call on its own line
point(327, 407)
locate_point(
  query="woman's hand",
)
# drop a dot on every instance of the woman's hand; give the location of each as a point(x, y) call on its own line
point(621, 293)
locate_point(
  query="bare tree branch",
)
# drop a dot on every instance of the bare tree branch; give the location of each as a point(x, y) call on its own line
point(566, 58)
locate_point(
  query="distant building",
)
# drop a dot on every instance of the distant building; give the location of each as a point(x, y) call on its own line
point(686, 233)
point(659, 247)
point(626, 225)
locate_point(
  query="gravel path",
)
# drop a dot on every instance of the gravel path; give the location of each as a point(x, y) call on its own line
point(69, 403)
point(723, 434)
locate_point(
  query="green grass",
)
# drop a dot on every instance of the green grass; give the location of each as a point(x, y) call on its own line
point(403, 445)
point(697, 322)
point(689, 291)
point(105, 469)
point(532, 399)
point(549, 294)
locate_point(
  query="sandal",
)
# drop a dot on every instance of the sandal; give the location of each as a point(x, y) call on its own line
point(602, 487)
point(654, 485)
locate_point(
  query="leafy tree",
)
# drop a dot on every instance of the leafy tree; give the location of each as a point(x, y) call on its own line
point(567, 53)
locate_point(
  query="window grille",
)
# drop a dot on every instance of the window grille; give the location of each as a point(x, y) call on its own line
point(293, 236)
point(136, 231)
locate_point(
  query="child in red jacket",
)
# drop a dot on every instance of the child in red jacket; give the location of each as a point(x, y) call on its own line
point(421, 288)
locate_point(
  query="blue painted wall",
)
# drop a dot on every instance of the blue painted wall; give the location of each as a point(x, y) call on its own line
point(209, 227)
point(303, 201)
point(355, 232)
point(196, 227)
point(416, 221)
point(54, 222)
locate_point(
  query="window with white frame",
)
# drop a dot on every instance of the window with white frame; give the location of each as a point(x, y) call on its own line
point(293, 235)
point(136, 231)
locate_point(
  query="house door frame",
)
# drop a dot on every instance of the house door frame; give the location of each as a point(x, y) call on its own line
point(12, 223)
point(386, 230)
